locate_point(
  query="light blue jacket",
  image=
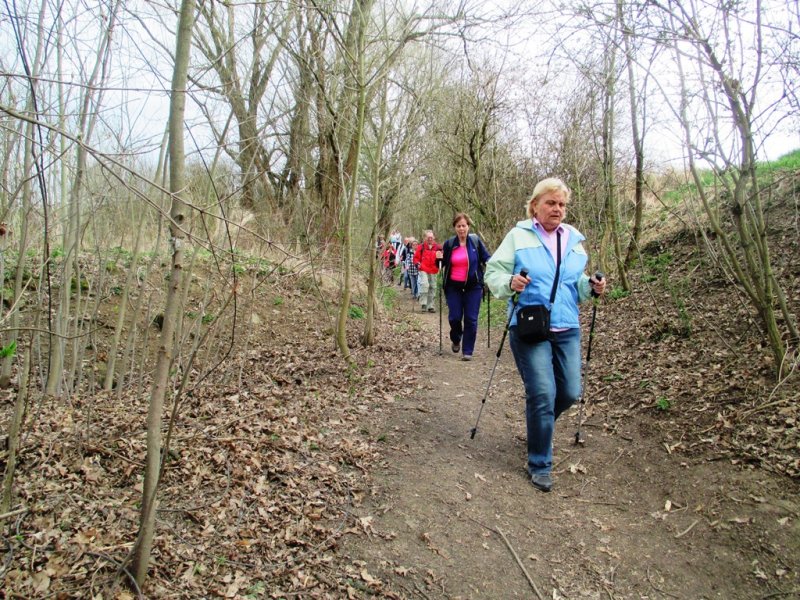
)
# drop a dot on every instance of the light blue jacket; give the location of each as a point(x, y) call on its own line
point(522, 248)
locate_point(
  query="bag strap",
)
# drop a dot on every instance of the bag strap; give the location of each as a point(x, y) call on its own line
point(558, 267)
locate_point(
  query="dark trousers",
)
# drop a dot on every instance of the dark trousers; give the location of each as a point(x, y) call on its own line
point(463, 307)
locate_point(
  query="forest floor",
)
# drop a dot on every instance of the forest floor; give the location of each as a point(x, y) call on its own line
point(291, 475)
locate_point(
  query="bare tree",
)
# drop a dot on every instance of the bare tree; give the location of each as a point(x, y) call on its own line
point(719, 84)
point(637, 103)
point(87, 118)
point(172, 310)
point(31, 172)
point(244, 56)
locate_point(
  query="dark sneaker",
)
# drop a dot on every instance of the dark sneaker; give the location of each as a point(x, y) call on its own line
point(456, 346)
point(431, 309)
point(424, 308)
point(467, 357)
point(543, 483)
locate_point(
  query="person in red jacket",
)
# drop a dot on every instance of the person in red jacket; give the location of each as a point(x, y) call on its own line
point(428, 256)
point(389, 259)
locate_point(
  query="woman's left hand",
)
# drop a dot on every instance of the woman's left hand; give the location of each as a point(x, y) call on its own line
point(598, 286)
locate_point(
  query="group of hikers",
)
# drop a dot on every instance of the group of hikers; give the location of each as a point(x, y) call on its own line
point(419, 265)
point(539, 268)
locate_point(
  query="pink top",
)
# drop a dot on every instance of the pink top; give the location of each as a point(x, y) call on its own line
point(459, 264)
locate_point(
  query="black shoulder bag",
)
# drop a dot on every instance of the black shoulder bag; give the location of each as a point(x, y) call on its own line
point(533, 320)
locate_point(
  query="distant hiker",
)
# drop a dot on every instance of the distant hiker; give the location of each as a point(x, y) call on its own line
point(379, 247)
point(389, 257)
point(463, 259)
point(412, 269)
point(548, 250)
point(426, 257)
point(402, 255)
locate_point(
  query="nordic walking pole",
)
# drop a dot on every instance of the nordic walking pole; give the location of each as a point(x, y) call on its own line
point(578, 437)
point(514, 298)
point(441, 291)
point(488, 316)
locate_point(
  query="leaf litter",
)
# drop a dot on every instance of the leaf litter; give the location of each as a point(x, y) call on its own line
point(267, 478)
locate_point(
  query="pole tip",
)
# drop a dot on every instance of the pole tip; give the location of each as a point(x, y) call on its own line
point(472, 433)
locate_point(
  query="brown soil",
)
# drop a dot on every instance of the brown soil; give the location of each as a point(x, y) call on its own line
point(636, 512)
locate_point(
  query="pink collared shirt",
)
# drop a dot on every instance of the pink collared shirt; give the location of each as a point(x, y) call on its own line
point(549, 238)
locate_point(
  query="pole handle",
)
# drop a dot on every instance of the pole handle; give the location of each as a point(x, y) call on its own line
point(522, 273)
point(599, 276)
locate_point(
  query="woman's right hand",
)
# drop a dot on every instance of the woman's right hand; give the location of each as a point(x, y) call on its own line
point(518, 282)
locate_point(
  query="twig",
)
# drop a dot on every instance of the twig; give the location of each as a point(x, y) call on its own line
point(596, 502)
point(120, 568)
point(108, 452)
point(8, 558)
point(519, 562)
point(687, 530)
point(13, 513)
point(778, 594)
point(769, 403)
point(505, 539)
point(420, 592)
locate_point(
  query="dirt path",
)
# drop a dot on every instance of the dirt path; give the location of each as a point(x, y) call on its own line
point(450, 517)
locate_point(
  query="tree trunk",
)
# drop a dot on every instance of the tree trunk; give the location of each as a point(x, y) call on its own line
point(638, 145)
point(91, 100)
point(361, 10)
point(368, 335)
point(14, 432)
point(172, 312)
point(744, 244)
point(611, 235)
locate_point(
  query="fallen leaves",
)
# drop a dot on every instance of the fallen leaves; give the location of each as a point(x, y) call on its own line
point(255, 495)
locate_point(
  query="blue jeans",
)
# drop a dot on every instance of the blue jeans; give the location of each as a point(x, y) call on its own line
point(551, 373)
point(463, 306)
point(414, 280)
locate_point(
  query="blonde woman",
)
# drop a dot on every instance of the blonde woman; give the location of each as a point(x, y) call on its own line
point(552, 254)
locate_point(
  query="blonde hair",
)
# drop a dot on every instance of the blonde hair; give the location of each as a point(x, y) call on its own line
point(550, 184)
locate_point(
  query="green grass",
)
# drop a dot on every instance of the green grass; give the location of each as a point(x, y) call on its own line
point(765, 170)
point(789, 161)
point(618, 293)
point(9, 350)
point(388, 295)
point(499, 313)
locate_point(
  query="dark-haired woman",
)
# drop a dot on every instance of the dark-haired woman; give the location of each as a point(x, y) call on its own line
point(463, 258)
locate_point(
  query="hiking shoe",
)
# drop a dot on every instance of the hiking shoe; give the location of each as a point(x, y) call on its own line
point(467, 357)
point(424, 307)
point(456, 346)
point(543, 483)
point(431, 309)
